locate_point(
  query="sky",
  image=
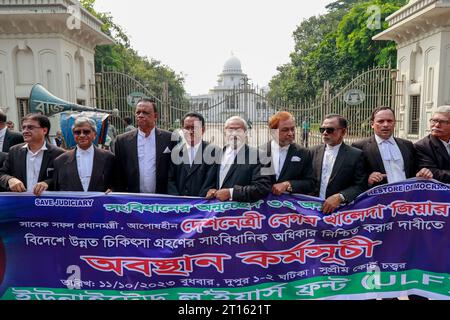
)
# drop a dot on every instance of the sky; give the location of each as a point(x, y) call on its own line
point(196, 37)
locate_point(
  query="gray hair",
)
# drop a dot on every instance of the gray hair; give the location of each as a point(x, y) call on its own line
point(237, 118)
point(444, 109)
point(81, 121)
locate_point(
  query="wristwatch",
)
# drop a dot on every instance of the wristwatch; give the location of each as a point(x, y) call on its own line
point(342, 197)
point(289, 188)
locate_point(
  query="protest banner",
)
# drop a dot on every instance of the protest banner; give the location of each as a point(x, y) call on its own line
point(393, 240)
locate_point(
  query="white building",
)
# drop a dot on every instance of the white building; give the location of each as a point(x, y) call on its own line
point(50, 42)
point(232, 96)
point(421, 30)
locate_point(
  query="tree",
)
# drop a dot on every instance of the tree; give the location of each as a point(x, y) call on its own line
point(334, 47)
point(122, 57)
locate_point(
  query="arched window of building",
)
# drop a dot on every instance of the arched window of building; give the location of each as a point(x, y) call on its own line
point(430, 84)
point(24, 66)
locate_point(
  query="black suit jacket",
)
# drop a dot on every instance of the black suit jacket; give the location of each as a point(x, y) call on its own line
point(297, 168)
point(249, 182)
point(15, 165)
point(66, 175)
point(3, 156)
point(185, 180)
point(374, 163)
point(127, 163)
point(11, 139)
point(347, 177)
point(432, 154)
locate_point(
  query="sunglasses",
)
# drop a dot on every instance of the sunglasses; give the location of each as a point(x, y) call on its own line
point(328, 130)
point(79, 132)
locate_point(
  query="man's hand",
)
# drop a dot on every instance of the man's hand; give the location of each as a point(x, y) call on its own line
point(331, 203)
point(15, 185)
point(108, 191)
point(211, 194)
point(223, 195)
point(376, 177)
point(279, 188)
point(39, 188)
point(425, 173)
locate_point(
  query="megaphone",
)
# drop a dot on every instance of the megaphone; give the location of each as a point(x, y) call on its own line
point(44, 102)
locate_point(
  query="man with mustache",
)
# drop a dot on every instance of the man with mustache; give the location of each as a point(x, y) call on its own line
point(433, 151)
point(239, 176)
point(338, 168)
point(85, 168)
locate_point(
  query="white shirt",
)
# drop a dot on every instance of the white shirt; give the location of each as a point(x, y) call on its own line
point(329, 158)
point(34, 162)
point(445, 143)
point(227, 161)
point(279, 155)
point(147, 162)
point(192, 151)
point(392, 159)
point(2, 137)
point(85, 163)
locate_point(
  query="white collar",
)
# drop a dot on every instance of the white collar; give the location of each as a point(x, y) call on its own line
point(90, 150)
point(143, 135)
point(333, 148)
point(276, 146)
point(446, 143)
point(228, 149)
point(188, 146)
point(43, 148)
point(380, 140)
point(3, 131)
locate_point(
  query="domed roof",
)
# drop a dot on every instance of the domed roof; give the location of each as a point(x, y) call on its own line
point(233, 65)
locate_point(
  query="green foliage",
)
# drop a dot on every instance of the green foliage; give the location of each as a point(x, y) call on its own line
point(335, 47)
point(122, 57)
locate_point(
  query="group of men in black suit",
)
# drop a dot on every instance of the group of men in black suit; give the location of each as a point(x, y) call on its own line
point(151, 160)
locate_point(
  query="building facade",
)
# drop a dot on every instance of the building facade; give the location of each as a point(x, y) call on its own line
point(233, 96)
point(421, 30)
point(50, 42)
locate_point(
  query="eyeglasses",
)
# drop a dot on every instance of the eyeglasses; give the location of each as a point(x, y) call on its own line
point(30, 127)
point(79, 132)
point(328, 130)
point(441, 122)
